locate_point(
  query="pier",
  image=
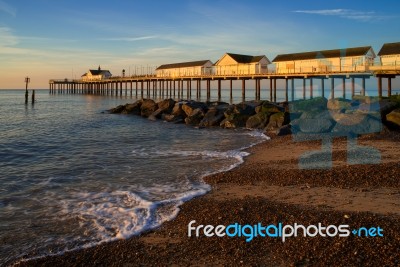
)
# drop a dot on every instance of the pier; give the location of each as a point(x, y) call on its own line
point(327, 70)
point(194, 86)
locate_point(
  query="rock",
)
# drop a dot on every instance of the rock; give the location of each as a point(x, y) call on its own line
point(284, 130)
point(158, 113)
point(166, 105)
point(219, 104)
point(117, 110)
point(178, 111)
point(339, 104)
point(235, 121)
point(269, 107)
point(189, 107)
point(244, 109)
point(148, 107)
point(195, 117)
point(172, 118)
point(316, 125)
point(276, 121)
point(317, 103)
point(393, 118)
point(314, 114)
point(369, 124)
point(133, 108)
point(213, 117)
point(258, 121)
point(152, 117)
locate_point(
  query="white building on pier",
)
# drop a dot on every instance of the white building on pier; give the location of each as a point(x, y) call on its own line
point(193, 68)
point(235, 64)
point(356, 59)
point(96, 75)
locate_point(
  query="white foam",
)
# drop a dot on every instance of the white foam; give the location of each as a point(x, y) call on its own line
point(121, 214)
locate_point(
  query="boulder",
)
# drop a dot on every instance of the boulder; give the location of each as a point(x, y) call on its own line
point(133, 108)
point(213, 117)
point(190, 106)
point(317, 103)
point(317, 125)
point(172, 118)
point(339, 104)
point(244, 108)
point(369, 124)
point(258, 121)
point(276, 121)
point(117, 109)
point(269, 107)
point(284, 130)
point(314, 114)
point(393, 118)
point(235, 121)
point(195, 117)
point(166, 105)
point(148, 107)
point(178, 111)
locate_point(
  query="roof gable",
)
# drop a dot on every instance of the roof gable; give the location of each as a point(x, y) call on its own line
point(346, 52)
point(242, 59)
point(184, 64)
point(390, 49)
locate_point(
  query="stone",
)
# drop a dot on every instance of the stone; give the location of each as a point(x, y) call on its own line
point(178, 111)
point(190, 106)
point(148, 107)
point(235, 121)
point(258, 121)
point(316, 125)
point(269, 107)
point(284, 130)
point(213, 117)
point(117, 109)
point(244, 109)
point(317, 103)
point(369, 124)
point(314, 114)
point(166, 105)
point(195, 117)
point(133, 108)
point(276, 121)
point(393, 118)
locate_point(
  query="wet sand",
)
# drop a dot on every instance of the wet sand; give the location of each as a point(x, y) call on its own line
point(270, 188)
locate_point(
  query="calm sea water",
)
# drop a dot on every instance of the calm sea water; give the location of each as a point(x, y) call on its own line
point(72, 176)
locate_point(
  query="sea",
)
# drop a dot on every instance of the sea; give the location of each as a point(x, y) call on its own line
point(74, 176)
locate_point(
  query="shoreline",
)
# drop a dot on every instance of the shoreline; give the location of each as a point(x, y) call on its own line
point(269, 188)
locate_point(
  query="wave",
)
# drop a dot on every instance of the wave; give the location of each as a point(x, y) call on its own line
point(120, 214)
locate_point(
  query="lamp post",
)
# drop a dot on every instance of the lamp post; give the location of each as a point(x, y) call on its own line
point(27, 80)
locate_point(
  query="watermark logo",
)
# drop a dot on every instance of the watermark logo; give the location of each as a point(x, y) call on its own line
point(323, 119)
point(280, 230)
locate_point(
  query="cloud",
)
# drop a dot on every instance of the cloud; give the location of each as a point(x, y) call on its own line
point(129, 39)
point(7, 8)
point(346, 13)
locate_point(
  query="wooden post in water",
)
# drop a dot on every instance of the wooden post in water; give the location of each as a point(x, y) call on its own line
point(389, 86)
point(380, 86)
point(231, 91)
point(286, 90)
point(270, 89)
point(243, 89)
point(353, 88)
point(304, 88)
point(33, 96)
point(311, 89)
point(332, 88)
point(292, 95)
point(344, 88)
point(219, 90)
point(27, 80)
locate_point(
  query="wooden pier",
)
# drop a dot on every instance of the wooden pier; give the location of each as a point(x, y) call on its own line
point(183, 87)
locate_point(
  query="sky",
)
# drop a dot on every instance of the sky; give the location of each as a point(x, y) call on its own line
point(47, 39)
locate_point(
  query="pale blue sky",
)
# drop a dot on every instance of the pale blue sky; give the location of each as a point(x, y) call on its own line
point(62, 39)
